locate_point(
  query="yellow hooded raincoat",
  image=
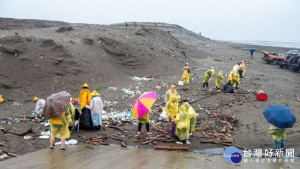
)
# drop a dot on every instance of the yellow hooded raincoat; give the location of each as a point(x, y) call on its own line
point(171, 108)
point(182, 124)
point(192, 115)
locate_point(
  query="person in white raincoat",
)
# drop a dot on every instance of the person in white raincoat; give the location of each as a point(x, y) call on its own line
point(96, 108)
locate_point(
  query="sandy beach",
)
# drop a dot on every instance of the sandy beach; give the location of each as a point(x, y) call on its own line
point(50, 61)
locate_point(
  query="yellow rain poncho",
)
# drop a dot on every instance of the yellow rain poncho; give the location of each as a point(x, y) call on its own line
point(236, 68)
point(229, 77)
point(186, 75)
point(169, 94)
point(278, 134)
point(182, 124)
point(72, 111)
point(219, 79)
point(1, 98)
point(243, 67)
point(60, 126)
point(84, 98)
point(144, 119)
point(171, 108)
point(192, 115)
point(207, 75)
point(235, 80)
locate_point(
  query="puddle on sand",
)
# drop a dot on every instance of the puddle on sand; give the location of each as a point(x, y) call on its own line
point(211, 151)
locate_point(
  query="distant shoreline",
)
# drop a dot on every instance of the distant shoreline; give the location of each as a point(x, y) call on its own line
point(285, 45)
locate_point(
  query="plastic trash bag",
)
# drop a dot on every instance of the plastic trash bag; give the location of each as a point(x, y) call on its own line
point(163, 116)
point(70, 142)
point(228, 88)
point(86, 122)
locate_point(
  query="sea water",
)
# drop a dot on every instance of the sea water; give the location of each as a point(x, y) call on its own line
point(269, 43)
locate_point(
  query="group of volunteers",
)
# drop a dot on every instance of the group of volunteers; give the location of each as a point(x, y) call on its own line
point(233, 78)
point(181, 118)
point(60, 126)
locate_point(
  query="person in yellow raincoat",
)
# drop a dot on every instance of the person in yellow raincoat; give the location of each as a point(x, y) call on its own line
point(236, 68)
point(170, 93)
point(219, 79)
point(171, 109)
point(60, 129)
point(242, 69)
point(207, 77)
point(192, 116)
point(235, 80)
point(72, 112)
point(182, 125)
point(1, 98)
point(186, 74)
point(229, 77)
point(279, 135)
point(84, 96)
point(144, 120)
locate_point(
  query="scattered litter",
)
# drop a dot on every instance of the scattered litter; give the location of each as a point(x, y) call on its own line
point(163, 116)
point(141, 78)
point(157, 87)
point(112, 88)
point(70, 142)
point(16, 104)
point(200, 68)
point(47, 133)
point(180, 83)
point(44, 137)
point(2, 156)
point(27, 137)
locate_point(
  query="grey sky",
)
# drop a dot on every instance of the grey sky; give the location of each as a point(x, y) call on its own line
point(268, 20)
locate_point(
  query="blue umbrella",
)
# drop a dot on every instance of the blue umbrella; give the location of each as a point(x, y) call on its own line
point(279, 116)
point(252, 50)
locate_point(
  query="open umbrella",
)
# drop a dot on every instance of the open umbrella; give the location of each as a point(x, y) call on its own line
point(56, 104)
point(143, 104)
point(279, 116)
point(252, 50)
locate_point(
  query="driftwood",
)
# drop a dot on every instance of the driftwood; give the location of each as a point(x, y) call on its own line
point(10, 154)
point(17, 133)
point(160, 130)
point(115, 127)
point(123, 144)
point(146, 142)
point(170, 148)
point(168, 141)
point(116, 138)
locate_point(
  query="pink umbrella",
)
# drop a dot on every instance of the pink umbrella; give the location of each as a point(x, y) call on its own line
point(143, 104)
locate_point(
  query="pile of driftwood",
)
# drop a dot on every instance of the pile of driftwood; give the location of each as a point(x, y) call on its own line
point(100, 140)
point(217, 128)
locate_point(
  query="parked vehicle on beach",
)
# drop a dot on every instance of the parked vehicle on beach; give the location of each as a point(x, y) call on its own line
point(272, 58)
point(286, 63)
point(295, 63)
